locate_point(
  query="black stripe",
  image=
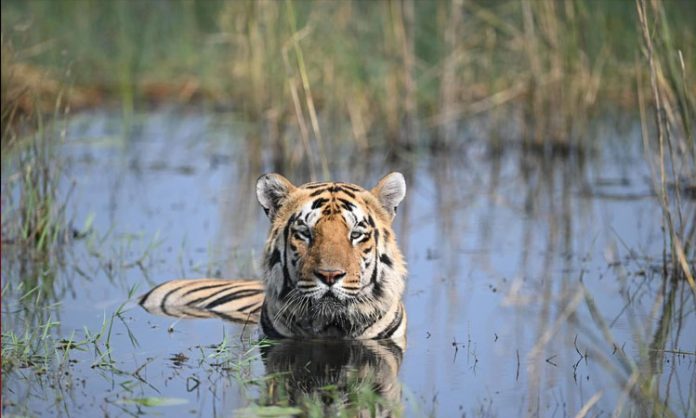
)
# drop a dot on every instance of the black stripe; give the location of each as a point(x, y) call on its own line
point(286, 274)
point(305, 286)
point(319, 202)
point(245, 307)
point(274, 258)
point(212, 286)
point(230, 318)
point(317, 192)
point(368, 322)
point(371, 221)
point(389, 330)
point(195, 313)
point(365, 238)
point(313, 185)
point(386, 260)
point(267, 326)
point(190, 315)
point(350, 187)
point(377, 290)
point(233, 296)
point(231, 286)
point(164, 299)
point(336, 189)
point(144, 297)
point(386, 233)
point(367, 250)
point(347, 204)
point(391, 346)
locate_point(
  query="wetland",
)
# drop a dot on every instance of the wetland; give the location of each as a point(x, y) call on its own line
point(548, 225)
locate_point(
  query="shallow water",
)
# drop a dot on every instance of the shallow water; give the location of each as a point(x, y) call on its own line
point(534, 288)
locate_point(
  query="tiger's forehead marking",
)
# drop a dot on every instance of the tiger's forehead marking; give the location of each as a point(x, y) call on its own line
point(328, 199)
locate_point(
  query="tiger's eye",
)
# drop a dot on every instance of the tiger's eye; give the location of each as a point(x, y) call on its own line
point(356, 234)
point(303, 234)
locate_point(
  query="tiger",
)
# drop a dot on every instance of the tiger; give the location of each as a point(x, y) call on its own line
point(332, 268)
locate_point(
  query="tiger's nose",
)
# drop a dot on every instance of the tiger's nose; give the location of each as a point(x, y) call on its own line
point(329, 277)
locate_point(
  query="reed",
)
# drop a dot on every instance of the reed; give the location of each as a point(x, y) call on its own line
point(373, 74)
point(670, 148)
point(32, 217)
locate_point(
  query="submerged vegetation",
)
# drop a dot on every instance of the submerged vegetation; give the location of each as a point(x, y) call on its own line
point(404, 80)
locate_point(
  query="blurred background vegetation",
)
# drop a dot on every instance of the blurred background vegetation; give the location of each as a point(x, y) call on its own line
point(310, 78)
point(396, 73)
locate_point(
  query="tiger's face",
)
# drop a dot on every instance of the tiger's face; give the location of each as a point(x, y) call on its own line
point(331, 252)
point(332, 245)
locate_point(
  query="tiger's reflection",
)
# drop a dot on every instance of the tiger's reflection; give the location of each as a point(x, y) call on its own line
point(340, 376)
point(334, 375)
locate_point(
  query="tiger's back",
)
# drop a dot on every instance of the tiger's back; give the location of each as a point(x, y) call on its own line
point(232, 300)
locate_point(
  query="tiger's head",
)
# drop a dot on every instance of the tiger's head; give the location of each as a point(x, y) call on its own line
point(331, 259)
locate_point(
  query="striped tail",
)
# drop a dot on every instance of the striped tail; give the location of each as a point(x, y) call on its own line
point(232, 300)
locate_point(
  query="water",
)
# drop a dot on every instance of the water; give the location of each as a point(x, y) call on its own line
point(534, 289)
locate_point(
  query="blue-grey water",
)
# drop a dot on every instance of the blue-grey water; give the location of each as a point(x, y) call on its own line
point(535, 283)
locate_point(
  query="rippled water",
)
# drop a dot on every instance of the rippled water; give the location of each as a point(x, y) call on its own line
point(535, 283)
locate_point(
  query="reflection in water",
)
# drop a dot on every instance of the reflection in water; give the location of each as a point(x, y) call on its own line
point(335, 375)
point(357, 377)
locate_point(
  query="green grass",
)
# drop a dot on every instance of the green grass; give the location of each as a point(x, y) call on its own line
point(40, 347)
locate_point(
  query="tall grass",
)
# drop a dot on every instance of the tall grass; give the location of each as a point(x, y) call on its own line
point(671, 148)
point(380, 74)
point(32, 217)
point(34, 224)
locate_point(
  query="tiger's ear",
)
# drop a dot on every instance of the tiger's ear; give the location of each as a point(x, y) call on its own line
point(271, 191)
point(390, 191)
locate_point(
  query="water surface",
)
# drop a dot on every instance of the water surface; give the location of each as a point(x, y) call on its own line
point(535, 283)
